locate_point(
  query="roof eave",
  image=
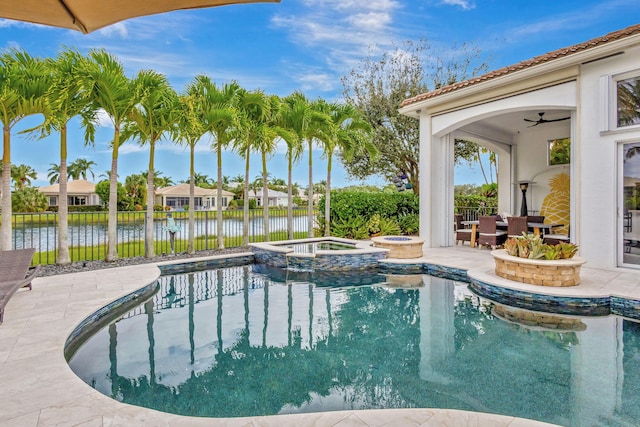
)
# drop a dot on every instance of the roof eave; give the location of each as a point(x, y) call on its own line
point(579, 58)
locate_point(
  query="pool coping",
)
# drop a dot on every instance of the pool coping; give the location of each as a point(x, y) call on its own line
point(39, 388)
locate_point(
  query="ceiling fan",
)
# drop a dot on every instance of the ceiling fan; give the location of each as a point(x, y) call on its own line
point(543, 120)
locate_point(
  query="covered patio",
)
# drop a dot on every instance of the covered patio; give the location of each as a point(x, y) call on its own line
point(559, 138)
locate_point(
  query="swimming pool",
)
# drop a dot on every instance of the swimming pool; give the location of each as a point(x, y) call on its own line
point(250, 340)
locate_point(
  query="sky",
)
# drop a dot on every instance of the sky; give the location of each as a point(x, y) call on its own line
point(305, 45)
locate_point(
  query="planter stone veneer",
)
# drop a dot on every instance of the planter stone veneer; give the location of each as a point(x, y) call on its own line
point(562, 272)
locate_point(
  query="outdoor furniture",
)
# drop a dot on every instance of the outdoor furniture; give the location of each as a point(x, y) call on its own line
point(517, 225)
point(554, 239)
point(488, 234)
point(463, 234)
point(15, 272)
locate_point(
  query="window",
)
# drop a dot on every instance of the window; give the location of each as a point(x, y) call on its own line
point(224, 202)
point(628, 102)
point(53, 200)
point(559, 151)
point(77, 200)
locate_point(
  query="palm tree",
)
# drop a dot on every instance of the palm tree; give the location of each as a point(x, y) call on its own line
point(348, 130)
point(22, 175)
point(201, 180)
point(220, 118)
point(54, 173)
point(80, 167)
point(251, 107)
point(29, 199)
point(150, 120)
point(66, 101)
point(134, 185)
point(295, 116)
point(109, 89)
point(309, 121)
point(23, 82)
point(189, 130)
point(160, 181)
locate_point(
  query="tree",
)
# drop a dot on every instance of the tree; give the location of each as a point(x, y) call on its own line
point(53, 173)
point(134, 186)
point(348, 131)
point(108, 88)
point(23, 82)
point(295, 116)
point(22, 175)
point(29, 199)
point(66, 100)
point(189, 130)
point(220, 118)
point(252, 115)
point(103, 190)
point(80, 168)
point(380, 84)
point(153, 117)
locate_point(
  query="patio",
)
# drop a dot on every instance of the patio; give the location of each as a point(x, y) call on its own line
point(40, 389)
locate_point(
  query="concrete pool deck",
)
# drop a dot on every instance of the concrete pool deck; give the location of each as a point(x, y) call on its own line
point(39, 389)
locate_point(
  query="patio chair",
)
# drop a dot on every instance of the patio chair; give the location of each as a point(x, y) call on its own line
point(462, 234)
point(517, 225)
point(488, 234)
point(554, 239)
point(15, 272)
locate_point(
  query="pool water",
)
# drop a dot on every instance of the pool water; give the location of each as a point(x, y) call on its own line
point(311, 248)
point(246, 341)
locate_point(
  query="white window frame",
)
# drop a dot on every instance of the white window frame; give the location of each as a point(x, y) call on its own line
point(609, 100)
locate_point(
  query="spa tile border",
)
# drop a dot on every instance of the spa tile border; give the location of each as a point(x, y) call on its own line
point(568, 305)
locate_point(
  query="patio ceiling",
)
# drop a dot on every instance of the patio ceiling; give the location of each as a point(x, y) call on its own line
point(513, 123)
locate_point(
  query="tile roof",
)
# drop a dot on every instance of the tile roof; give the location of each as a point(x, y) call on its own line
point(547, 57)
point(77, 186)
point(183, 190)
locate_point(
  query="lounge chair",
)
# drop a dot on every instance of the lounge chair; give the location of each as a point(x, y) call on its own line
point(15, 272)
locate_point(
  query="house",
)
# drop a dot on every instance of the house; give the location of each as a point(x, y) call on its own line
point(581, 98)
point(176, 197)
point(79, 193)
point(275, 198)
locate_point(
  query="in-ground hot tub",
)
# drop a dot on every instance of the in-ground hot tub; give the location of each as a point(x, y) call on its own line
point(322, 254)
point(400, 246)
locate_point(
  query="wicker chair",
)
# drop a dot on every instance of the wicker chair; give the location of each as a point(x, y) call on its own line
point(489, 235)
point(462, 234)
point(15, 272)
point(536, 218)
point(554, 239)
point(517, 225)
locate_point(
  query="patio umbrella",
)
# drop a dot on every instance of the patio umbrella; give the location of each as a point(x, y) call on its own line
point(90, 15)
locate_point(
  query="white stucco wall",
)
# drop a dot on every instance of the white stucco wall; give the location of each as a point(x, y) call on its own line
point(598, 193)
point(531, 161)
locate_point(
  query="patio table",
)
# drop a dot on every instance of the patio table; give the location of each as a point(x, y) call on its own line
point(535, 226)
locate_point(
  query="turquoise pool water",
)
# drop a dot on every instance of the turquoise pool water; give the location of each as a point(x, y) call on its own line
point(245, 341)
point(311, 248)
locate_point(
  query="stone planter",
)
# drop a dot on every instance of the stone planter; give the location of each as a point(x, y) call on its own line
point(401, 247)
point(562, 272)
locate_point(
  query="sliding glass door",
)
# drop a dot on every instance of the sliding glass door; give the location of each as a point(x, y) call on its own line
point(629, 227)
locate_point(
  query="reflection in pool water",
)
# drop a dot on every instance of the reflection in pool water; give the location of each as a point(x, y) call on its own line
point(243, 341)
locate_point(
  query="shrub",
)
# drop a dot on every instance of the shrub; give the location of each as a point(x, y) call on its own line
point(531, 246)
point(401, 208)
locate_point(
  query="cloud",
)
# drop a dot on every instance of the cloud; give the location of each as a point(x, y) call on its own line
point(464, 4)
point(104, 120)
point(339, 32)
point(116, 30)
